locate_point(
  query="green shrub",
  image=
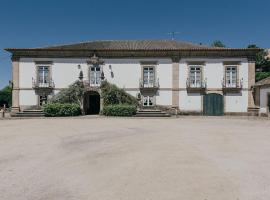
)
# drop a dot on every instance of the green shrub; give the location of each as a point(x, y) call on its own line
point(112, 95)
point(61, 110)
point(119, 110)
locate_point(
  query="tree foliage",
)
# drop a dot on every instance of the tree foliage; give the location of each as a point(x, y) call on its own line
point(112, 95)
point(6, 96)
point(261, 58)
point(74, 94)
point(261, 75)
point(218, 43)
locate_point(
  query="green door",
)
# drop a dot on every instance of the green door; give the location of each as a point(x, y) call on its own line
point(213, 104)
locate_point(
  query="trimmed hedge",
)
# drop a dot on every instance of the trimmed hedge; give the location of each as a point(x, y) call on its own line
point(119, 110)
point(61, 110)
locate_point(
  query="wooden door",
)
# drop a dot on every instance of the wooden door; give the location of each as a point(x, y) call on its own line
point(213, 104)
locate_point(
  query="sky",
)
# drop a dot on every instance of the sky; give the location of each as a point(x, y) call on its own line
point(37, 23)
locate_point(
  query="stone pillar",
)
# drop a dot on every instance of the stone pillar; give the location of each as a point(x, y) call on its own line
point(175, 82)
point(251, 82)
point(15, 81)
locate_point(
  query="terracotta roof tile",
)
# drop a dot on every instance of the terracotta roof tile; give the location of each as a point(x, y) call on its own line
point(130, 45)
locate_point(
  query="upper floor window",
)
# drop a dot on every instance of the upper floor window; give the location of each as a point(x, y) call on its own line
point(195, 76)
point(43, 75)
point(95, 75)
point(148, 76)
point(231, 76)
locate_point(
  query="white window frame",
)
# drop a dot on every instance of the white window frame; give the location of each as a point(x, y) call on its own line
point(148, 82)
point(95, 75)
point(42, 100)
point(229, 82)
point(196, 83)
point(148, 98)
point(44, 82)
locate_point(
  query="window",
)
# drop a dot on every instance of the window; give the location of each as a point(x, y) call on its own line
point(231, 76)
point(95, 75)
point(43, 100)
point(43, 76)
point(148, 101)
point(195, 76)
point(148, 76)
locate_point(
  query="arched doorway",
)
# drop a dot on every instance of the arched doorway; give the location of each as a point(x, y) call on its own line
point(213, 104)
point(92, 103)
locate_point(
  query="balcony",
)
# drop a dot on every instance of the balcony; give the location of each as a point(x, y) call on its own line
point(228, 87)
point(92, 85)
point(45, 88)
point(196, 87)
point(149, 87)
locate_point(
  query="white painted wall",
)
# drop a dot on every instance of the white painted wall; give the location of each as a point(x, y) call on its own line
point(27, 98)
point(213, 72)
point(236, 102)
point(263, 99)
point(127, 72)
point(190, 101)
point(164, 98)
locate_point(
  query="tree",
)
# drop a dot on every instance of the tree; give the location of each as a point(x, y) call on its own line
point(73, 94)
point(261, 75)
point(5, 96)
point(261, 58)
point(252, 46)
point(218, 43)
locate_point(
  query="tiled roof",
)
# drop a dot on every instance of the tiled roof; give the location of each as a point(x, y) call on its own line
point(130, 45)
point(265, 81)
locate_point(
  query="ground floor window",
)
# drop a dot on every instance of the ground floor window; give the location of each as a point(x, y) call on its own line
point(148, 101)
point(43, 100)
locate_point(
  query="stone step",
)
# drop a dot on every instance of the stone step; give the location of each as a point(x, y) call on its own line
point(148, 111)
point(28, 113)
point(32, 111)
point(151, 113)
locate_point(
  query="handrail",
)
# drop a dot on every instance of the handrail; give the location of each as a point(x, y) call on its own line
point(191, 84)
point(238, 84)
point(155, 84)
point(47, 84)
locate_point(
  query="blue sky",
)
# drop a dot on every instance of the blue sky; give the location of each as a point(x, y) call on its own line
point(36, 23)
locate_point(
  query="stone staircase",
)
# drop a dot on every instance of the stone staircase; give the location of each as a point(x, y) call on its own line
point(151, 113)
point(28, 113)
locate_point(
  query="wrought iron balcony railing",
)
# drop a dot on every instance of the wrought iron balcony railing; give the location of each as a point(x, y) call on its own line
point(232, 84)
point(45, 84)
point(193, 84)
point(154, 84)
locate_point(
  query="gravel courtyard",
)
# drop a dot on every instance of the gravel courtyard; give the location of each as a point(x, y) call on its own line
point(189, 158)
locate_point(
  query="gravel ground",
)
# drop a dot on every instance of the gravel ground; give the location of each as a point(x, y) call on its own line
point(189, 158)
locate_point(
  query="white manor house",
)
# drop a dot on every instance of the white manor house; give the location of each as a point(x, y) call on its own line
point(186, 77)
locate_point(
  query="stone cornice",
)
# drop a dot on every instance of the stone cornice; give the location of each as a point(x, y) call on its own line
point(173, 54)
